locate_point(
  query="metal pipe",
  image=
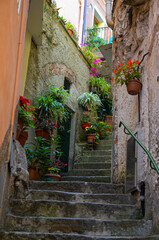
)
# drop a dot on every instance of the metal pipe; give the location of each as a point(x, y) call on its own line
point(84, 20)
point(109, 14)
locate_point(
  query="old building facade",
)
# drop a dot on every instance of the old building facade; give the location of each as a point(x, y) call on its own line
point(136, 31)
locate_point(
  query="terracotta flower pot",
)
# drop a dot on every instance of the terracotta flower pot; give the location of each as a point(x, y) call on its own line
point(33, 173)
point(22, 138)
point(70, 31)
point(20, 126)
point(42, 133)
point(91, 137)
point(84, 125)
point(133, 86)
point(55, 177)
point(108, 119)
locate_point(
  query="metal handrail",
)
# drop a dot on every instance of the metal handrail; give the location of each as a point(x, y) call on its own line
point(152, 161)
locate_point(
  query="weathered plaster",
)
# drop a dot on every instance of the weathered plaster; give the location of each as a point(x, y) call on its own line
point(136, 31)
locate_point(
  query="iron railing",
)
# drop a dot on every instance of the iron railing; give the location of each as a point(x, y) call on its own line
point(98, 36)
point(153, 164)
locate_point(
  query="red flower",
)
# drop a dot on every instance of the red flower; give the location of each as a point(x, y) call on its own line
point(66, 164)
point(114, 70)
point(120, 64)
point(129, 62)
point(112, 79)
point(137, 62)
point(44, 121)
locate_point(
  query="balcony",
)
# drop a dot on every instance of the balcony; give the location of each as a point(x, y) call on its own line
point(96, 37)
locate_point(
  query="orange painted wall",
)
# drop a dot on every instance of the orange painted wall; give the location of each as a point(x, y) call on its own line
point(12, 34)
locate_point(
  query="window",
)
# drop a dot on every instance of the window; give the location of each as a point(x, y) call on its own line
point(67, 84)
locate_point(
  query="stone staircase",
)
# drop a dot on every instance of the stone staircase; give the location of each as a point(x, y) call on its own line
point(85, 206)
point(93, 165)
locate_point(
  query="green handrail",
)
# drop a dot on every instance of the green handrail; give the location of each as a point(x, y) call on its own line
point(152, 161)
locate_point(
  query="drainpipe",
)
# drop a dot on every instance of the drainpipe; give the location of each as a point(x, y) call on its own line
point(109, 14)
point(84, 20)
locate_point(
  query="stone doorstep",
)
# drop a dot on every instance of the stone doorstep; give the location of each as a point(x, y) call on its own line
point(88, 226)
point(92, 165)
point(61, 236)
point(80, 197)
point(54, 208)
point(83, 187)
point(89, 172)
point(102, 179)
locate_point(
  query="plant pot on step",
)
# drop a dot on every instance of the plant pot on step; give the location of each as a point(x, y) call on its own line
point(33, 173)
point(42, 133)
point(22, 138)
point(52, 176)
point(108, 119)
point(133, 86)
point(20, 126)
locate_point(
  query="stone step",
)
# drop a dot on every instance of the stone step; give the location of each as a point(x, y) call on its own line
point(67, 236)
point(80, 197)
point(103, 147)
point(105, 142)
point(80, 187)
point(93, 227)
point(53, 208)
point(97, 152)
point(89, 172)
point(102, 179)
point(93, 165)
point(97, 158)
point(84, 146)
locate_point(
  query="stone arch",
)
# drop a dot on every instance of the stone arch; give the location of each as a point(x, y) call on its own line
point(58, 69)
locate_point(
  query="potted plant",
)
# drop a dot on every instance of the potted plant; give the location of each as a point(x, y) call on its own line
point(129, 75)
point(99, 86)
point(92, 134)
point(103, 128)
point(89, 101)
point(54, 171)
point(38, 154)
point(25, 119)
point(85, 119)
point(50, 109)
point(71, 29)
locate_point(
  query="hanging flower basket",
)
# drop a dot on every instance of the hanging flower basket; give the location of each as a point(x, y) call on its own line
point(133, 86)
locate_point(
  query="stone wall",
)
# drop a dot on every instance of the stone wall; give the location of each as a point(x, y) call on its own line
point(136, 32)
point(58, 57)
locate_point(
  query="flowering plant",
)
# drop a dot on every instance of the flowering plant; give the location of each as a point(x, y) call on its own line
point(57, 166)
point(103, 128)
point(26, 112)
point(85, 117)
point(91, 129)
point(94, 61)
point(69, 25)
point(123, 73)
